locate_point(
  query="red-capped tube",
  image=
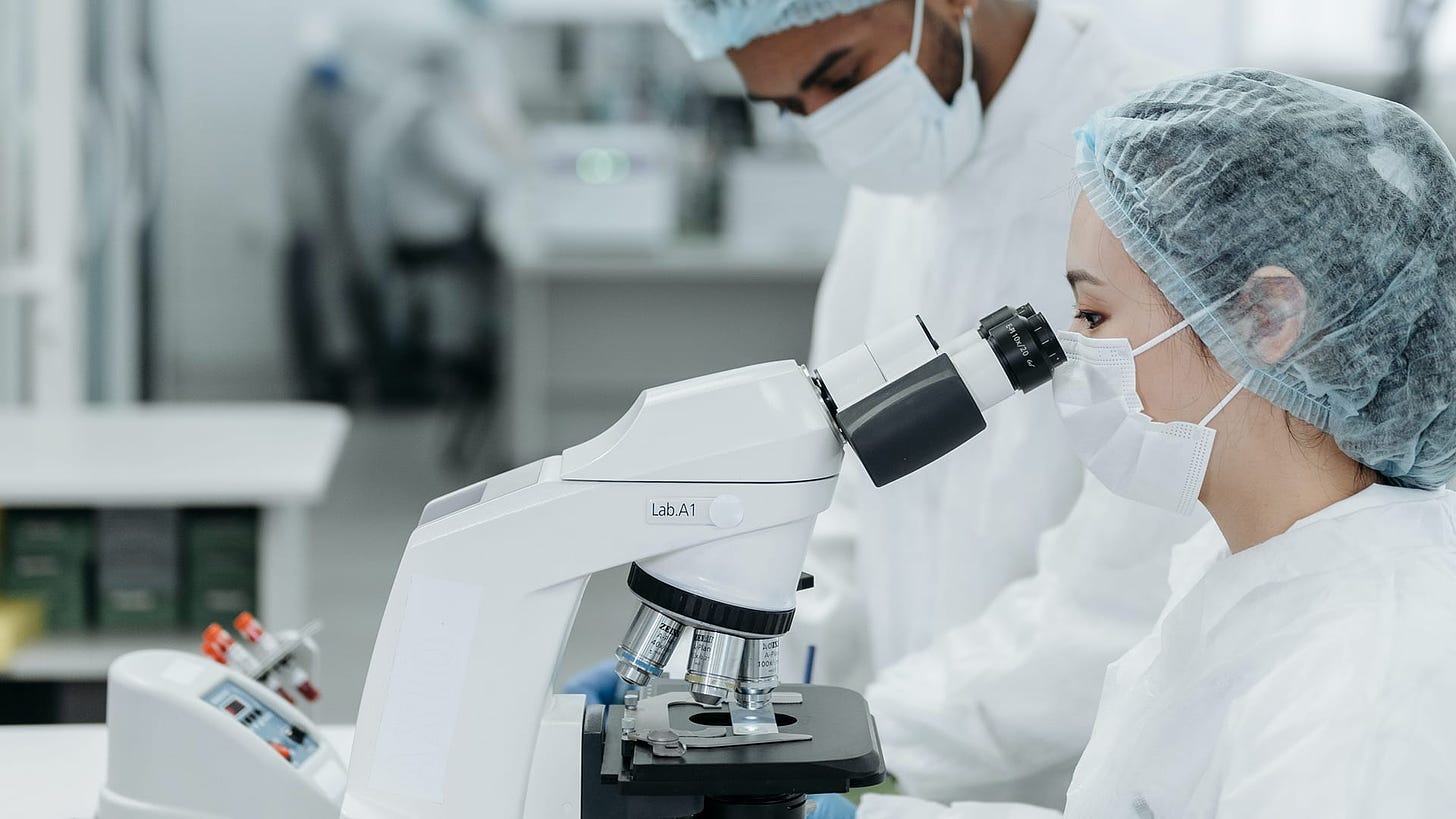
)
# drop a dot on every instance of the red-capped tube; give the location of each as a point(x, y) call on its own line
point(218, 644)
point(248, 626)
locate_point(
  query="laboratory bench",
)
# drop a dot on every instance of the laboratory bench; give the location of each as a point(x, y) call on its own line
point(56, 772)
point(591, 330)
point(250, 471)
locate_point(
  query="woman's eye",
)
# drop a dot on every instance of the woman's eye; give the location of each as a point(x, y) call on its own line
point(1092, 319)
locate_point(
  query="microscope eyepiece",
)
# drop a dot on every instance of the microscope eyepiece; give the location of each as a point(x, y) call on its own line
point(1025, 344)
point(902, 401)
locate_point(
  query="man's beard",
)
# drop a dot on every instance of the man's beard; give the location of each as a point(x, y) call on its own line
point(949, 59)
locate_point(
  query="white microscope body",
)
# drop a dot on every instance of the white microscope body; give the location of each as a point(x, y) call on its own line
point(711, 487)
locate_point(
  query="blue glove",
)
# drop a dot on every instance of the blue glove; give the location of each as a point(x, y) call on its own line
point(600, 684)
point(831, 806)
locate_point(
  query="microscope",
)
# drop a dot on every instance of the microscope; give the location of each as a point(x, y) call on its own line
point(709, 489)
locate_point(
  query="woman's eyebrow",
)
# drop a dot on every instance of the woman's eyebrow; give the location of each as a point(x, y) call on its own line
point(1079, 276)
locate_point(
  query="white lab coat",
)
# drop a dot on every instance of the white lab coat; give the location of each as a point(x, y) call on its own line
point(1311, 675)
point(899, 566)
point(999, 709)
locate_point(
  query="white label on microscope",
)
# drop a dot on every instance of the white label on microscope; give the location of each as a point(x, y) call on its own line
point(679, 511)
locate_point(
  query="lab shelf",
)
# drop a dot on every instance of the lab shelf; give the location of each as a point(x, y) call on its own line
point(84, 657)
point(177, 455)
point(276, 458)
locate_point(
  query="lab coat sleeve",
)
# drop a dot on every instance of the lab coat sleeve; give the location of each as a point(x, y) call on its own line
point(902, 807)
point(1001, 708)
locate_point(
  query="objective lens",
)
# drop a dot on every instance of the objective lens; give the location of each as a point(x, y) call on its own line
point(758, 674)
point(713, 665)
point(649, 643)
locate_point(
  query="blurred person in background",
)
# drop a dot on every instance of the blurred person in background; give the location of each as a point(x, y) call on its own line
point(984, 628)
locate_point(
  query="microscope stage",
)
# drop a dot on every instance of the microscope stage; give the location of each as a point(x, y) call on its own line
point(844, 752)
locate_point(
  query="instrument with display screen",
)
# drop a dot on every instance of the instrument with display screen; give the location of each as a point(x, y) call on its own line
point(185, 733)
point(708, 488)
point(292, 742)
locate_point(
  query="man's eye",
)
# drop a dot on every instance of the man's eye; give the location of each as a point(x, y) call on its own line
point(1092, 319)
point(844, 83)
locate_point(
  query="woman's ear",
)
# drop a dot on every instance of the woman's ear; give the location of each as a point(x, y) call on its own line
point(1276, 301)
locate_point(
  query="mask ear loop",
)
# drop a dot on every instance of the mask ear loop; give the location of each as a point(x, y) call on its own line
point(966, 45)
point(1233, 393)
point(1178, 328)
point(916, 31)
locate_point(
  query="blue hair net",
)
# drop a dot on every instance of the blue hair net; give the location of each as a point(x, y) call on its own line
point(1205, 180)
point(712, 27)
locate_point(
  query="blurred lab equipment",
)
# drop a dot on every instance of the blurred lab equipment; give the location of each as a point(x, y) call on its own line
point(607, 186)
point(402, 145)
point(708, 488)
point(776, 204)
point(189, 737)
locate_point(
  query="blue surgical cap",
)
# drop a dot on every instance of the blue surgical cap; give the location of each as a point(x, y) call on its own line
point(1208, 179)
point(712, 27)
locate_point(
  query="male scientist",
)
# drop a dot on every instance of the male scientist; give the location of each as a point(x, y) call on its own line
point(984, 628)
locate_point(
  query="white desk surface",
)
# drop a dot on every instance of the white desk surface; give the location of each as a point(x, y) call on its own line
point(170, 454)
point(55, 772)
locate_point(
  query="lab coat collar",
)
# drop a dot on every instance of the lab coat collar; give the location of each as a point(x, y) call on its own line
point(1038, 78)
point(1319, 542)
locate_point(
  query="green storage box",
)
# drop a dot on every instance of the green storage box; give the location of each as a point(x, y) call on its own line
point(137, 608)
point(221, 552)
point(139, 567)
point(44, 556)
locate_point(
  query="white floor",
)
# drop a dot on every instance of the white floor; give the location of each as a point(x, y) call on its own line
point(392, 466)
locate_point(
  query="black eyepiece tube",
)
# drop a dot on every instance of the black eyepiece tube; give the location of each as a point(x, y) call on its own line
point(917, 418)
point(1025, 343)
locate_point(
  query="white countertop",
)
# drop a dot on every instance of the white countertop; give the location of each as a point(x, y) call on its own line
point(55, 772)
point(170, 454)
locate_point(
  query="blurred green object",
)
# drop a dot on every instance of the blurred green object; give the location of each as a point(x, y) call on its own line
point(44, 556)
point(221, 552)
point(138, 569)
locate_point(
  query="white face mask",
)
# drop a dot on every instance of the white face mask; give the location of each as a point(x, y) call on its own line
point(893, 133)
point(1157, 463)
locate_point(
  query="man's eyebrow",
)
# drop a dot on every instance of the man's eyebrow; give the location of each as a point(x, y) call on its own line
point(824, 65)
point(1080, 276)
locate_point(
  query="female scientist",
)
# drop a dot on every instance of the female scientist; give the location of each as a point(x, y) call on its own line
point(1265, 274)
